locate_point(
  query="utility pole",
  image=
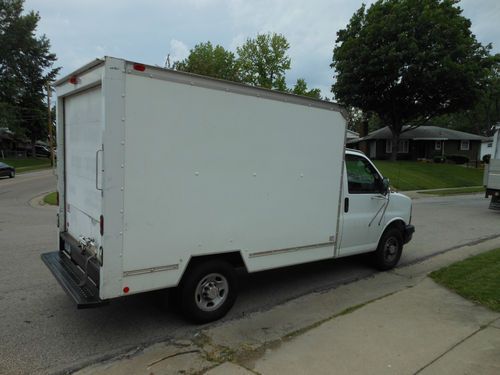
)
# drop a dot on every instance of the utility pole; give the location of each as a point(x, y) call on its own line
point(49, 117)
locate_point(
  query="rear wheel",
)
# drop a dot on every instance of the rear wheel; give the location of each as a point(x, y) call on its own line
point(12, 174)
point(389, 249)
point(208, 290)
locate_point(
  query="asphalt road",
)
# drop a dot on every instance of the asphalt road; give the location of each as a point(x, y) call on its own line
point(42, 332)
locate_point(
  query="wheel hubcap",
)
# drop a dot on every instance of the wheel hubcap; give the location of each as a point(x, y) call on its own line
point(211, 292)
point(391, 249)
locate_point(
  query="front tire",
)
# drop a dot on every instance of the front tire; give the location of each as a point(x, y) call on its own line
point(208, 291)
point(12, 174)
point(389, 249)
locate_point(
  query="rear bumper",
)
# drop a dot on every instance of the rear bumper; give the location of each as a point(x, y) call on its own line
point(495, 202)
point(408, 233)
point(73, 280)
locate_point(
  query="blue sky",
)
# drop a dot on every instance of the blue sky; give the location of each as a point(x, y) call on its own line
point(149, 30)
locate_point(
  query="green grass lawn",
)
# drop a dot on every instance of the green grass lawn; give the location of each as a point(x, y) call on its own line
point(27, 164)
point(410, 175)
point(476, 278)
point(51, 198)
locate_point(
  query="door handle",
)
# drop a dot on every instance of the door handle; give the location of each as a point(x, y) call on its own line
point(346, 204)
point(97, 169)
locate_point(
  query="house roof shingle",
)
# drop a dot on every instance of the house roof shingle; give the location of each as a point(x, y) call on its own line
point(427, 132)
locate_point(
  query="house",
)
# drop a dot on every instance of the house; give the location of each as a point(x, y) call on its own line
point(7, 142)
point(486, 147)
point(351, 135)
point(424, 142)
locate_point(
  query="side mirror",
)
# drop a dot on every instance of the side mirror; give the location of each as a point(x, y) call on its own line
point(385, 186)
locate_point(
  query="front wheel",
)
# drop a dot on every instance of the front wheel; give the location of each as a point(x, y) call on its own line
point(12, 174)
point(389, 249)
point(208, 291)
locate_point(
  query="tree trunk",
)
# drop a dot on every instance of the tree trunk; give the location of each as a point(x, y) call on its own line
point(395, 145)
point(33, 150)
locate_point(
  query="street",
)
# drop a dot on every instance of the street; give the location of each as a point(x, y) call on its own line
point(42, 332)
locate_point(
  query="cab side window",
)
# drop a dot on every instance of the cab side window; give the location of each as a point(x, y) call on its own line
point(362, 178)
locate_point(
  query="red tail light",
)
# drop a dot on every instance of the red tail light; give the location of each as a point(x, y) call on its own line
point(101, 225)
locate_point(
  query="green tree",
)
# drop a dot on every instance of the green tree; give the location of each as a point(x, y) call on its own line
point(264, 61)
point(301, 88)
point(25, 70)
point(207, 60)
point(409, 61)
point(486, 113)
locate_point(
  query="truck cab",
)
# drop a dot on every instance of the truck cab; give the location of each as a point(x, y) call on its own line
point(370, 211)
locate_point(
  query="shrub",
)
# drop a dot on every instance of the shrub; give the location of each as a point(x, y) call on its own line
point(439, 158)
point(486, 159)
point(458, 159)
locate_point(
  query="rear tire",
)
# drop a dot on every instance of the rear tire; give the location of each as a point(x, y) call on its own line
point(12, 174)
point(207, 291)
point(389, 249)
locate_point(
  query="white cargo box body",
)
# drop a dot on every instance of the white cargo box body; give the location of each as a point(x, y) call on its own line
point(175, 166)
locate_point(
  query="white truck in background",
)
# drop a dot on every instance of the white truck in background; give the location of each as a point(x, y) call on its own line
point(171, 180)
point(492, 172)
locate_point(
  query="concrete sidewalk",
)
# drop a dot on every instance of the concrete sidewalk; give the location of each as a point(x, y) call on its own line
point(397, 322)
point(423, 329)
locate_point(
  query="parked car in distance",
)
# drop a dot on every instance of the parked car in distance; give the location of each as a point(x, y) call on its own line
point(7, 170)
point(40, 151)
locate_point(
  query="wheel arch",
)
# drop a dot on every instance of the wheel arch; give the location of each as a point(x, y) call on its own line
point(234, 258)
point(396, 222)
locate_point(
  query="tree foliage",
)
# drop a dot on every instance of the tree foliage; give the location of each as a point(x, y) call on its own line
point(301, 88)
point(481, 118)
point(207, 60)
point(409, 61)
point(264, 61)
point(25, 69)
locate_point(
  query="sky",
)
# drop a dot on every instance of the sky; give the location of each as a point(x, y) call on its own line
point(147, 31)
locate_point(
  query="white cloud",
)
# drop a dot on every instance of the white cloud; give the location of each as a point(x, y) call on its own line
point(178, 50)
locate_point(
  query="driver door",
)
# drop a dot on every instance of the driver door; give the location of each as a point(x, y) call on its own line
point(363, 206)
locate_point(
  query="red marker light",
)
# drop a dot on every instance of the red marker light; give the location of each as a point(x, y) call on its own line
point(139, 67)
point(101, 225)
point(126, 289)
point(73, 80)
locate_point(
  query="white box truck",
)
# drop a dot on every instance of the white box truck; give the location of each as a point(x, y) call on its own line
point(168, 179)
point(492, 172)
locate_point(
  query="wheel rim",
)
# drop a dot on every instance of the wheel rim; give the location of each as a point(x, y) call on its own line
point(391, 249)
point(211, 292)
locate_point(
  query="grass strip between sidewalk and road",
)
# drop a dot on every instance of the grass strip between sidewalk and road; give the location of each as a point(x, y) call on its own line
point(27, 164)
point(455, 191)
point(51, 199)
point(476, 278)
point(411, 175)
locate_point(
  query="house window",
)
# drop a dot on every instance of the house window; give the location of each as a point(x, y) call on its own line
point(403, 146)
point(388, 146)
point(464, 145)
point(437, 145)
